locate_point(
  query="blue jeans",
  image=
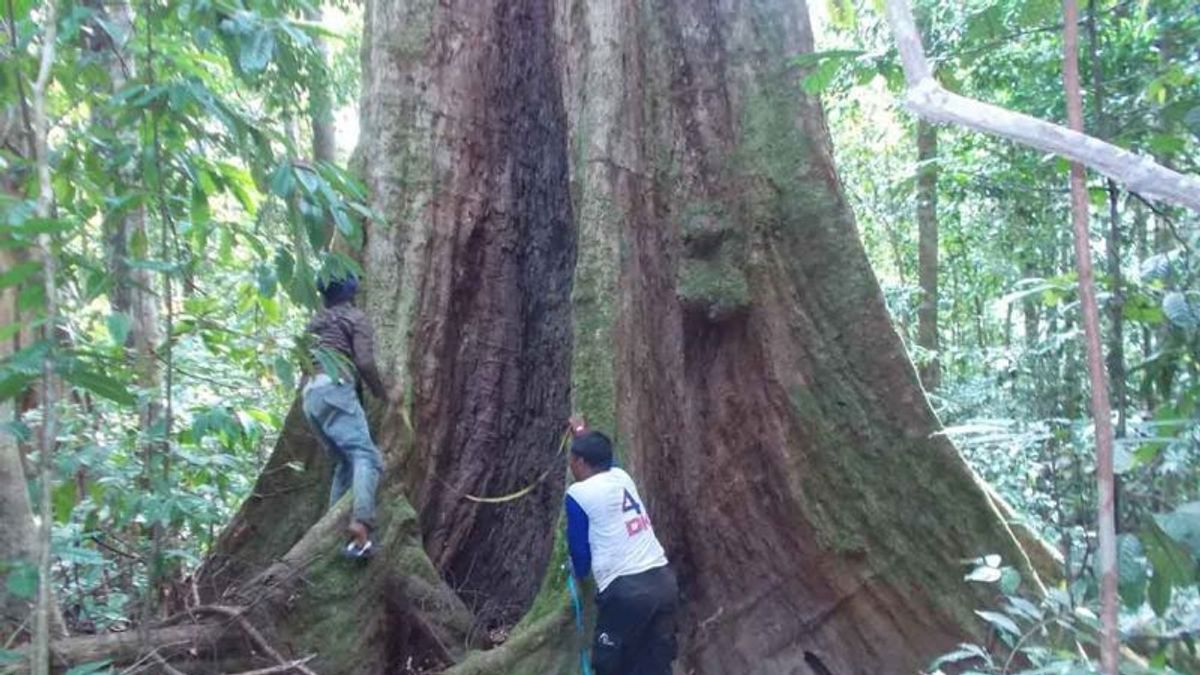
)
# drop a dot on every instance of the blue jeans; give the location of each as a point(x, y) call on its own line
point(336, 415)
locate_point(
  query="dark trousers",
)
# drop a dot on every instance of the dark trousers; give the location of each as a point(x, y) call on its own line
point(635, 625)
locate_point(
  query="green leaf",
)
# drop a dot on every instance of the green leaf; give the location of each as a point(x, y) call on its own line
point(31, 227)
point(1172, 563)
point(201, 212)
point(22, 580)
point(285, 371)
point(1038, 12)
point(63, 500)
point(285, 266)
point(139, 245)
point(843, 14)
point(256, 50)
point(1010, 580)
point(814, 58)
point(1169, 557)
point(1159, 594)
point(1180, 311)
point(1183, 525)
point(99, 384)
point(118, 324)
point(91, 668)
point(964, 652)
point(332, 361)
point(1167, 144)
point(241, 183)
point(1131, 566)
point(12, 386)
point(267, 282)
point(283, 182)
point(1020, 606)
point(1192, 121)
point(1000, 621)
point(19, 273)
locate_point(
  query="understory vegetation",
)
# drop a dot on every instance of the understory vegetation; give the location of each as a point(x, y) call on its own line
point(201, 185)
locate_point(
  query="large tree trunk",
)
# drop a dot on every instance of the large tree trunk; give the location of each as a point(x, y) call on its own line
point(727, 329)
point(763, 398)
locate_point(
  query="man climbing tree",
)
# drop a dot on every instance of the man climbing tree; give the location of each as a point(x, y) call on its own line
point(332, 407)
point(610, 537)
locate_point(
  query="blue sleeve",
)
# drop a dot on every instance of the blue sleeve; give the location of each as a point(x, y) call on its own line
point(577, 539)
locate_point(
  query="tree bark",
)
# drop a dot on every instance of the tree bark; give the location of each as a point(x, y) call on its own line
point(18, 528)
point(1101, 411)
point(47, 438)
point(727, 329)
point(927, 224)
point(320, 102)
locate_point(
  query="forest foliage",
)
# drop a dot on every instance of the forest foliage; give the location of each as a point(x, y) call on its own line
point(188, 129)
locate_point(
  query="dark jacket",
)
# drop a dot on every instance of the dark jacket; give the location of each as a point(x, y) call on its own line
point(345, 328)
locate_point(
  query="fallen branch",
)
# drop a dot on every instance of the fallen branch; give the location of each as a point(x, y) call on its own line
point(298, 664)
point(162, 663)
point(238, 615)
point(128, 646)
point(928, 99)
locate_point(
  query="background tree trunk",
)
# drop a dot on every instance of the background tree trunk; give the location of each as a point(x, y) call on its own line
point(727, 329)
point(927, 314)
point(18, 529)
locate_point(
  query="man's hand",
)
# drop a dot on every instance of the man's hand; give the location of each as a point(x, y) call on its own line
point(577, 424)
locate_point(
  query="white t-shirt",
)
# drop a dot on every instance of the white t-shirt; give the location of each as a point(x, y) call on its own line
point(608, 529)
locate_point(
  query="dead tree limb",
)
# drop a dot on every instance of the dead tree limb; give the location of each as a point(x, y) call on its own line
point(128, 646)
point(931, 101)
point(298, 664)
point(238, 615)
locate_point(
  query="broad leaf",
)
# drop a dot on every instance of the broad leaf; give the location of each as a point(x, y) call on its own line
point(1000, 621)
point(22, 580)
point(118, 324)
point(99, 384)
point(1172, 563)
point(91, 668)
point(1183, 525)
point(1131, 568)
point(965, 652)
point(1181, 310)
point(256, 50)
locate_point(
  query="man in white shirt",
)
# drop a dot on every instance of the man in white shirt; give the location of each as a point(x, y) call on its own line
point(609, 536)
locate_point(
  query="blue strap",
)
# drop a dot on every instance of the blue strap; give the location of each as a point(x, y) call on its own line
point(585, 666)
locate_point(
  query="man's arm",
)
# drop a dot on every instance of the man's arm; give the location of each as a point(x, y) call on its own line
point(364, 355)
point(577, 539)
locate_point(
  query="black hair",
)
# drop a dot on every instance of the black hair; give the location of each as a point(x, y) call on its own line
point(594, 449)
point(337, 291)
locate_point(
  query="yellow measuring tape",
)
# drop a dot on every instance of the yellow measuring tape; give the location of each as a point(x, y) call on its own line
point(562, 447)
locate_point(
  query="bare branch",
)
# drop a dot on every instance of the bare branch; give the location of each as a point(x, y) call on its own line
point(298, 664)
point(928, 99)
point(238, 615)
point(40, 662)
point(162, 663)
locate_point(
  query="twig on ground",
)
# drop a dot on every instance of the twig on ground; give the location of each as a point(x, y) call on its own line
point(298, 664)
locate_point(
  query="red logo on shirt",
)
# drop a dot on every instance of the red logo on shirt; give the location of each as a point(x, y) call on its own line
point(635, 525)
